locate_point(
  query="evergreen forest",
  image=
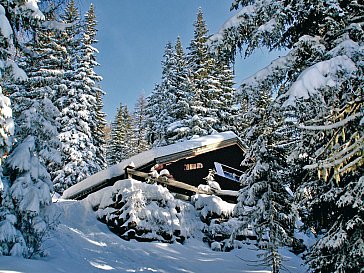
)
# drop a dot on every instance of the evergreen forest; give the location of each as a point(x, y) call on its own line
point(301, 119)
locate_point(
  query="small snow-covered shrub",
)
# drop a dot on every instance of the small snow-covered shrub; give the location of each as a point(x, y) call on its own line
point(212, 207)
point(145, 212)
point(216, 246)
point(216, 214)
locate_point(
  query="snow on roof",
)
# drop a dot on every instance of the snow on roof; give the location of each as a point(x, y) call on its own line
point(146, 157)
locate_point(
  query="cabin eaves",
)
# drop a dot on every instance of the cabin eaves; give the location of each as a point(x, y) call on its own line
point(173, 152)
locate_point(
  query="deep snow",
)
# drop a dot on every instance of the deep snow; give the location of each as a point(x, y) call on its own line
point(83, 244)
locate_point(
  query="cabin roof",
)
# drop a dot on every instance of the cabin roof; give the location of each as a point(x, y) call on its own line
point(173, 152)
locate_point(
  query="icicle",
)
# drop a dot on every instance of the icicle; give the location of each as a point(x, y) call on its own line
point(326, 174)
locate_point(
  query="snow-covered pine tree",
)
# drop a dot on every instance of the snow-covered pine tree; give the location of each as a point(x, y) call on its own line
point(128, 140)
point(139, 125)
point(71, 34)
point(122, 140)
point(99, 133)
point(77, 105)
point(27, 212)
point(14, 14)
point(201, 64)
point(155, 133)
point(113, 144)
point(33, 109)
point(160, 102)
point(180, 95)
point(333, 199)
point(225, 98)
point(69, 37)
point(332, 125)
point(7, 217)
point(264, 203)
point(320, 81)
point(91, 83)
point(213, 100)
point(26, 200)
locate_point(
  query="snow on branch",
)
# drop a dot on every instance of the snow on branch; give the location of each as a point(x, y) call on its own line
point(335, 125)
point(332, 162)
point(57, 25)
point(21, 157)
point(276, 66)
point(5, 28)
point(233, 22)
point(320, 75)
point(32, 6)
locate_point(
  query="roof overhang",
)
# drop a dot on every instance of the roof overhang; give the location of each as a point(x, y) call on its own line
point(173, 152)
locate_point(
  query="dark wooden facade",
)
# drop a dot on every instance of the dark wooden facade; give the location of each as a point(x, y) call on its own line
point(230, 156)
point(187, 162)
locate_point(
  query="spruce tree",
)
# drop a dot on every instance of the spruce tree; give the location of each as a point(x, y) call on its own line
point(264, 203)
point(99, 132)
point(78, 120)
point(155, 132)
point(225, 98)
point(212, 99)
point(180, 95)
point(139, 125)
point(203, 110)
point(319, 84)
point(26, 200)
point(122, 141)
point(91, 80)
point(160, 102)
point(33, 109)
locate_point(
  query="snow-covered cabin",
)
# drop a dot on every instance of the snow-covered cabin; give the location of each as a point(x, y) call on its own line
point(188, 161)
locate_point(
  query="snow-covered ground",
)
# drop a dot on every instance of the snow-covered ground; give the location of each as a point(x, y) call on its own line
point(82, 244)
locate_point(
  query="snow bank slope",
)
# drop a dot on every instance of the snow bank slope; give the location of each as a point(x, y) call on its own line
point(83, 244)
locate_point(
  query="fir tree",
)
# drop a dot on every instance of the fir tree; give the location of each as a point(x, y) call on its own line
point(180, 112)
point(324, 44)
point(201, 65)
point(122, 141)
point(225, 98)
point(26, 200)
point(99, 133)
point(264, 203)
point(155, 131)
point(160, 102)
point(212, 99)
point(91, 80)
point(80, 115)
point(77, 106)
point(33, 108)
point(139, 125)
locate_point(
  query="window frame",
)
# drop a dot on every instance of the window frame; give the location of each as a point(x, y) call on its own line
point(233, 176)
point(193, 166)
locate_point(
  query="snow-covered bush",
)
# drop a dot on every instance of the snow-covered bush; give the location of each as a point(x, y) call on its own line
point(216, 215)
point(145, 212)
point(211, 206)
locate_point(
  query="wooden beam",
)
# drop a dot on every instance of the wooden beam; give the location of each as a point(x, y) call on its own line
point(167, 181)
point(171, 182)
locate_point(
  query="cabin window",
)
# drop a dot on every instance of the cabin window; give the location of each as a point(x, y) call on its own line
point(228, 172)
point(193, 166)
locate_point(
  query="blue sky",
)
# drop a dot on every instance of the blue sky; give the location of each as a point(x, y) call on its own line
point(132, 36)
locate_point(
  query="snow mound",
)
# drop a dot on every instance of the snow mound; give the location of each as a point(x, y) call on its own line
point(146, 212)
point(212, 206)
